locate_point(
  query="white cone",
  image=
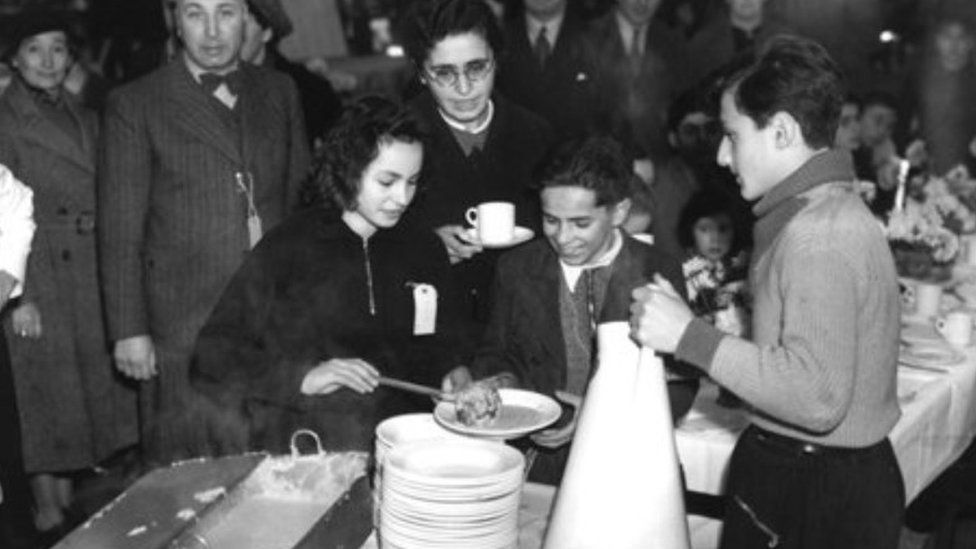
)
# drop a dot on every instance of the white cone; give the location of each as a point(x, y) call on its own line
point(621, 487)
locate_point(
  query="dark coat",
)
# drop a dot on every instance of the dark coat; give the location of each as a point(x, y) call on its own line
point(565, 90)
point(634, 104)
point(713, 46)
point(74, 410)
point(302, 297)
point(321, 105)
point(517, 142)
point(173, 222)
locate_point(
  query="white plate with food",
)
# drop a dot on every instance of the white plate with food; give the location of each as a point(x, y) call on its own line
point(518, 413)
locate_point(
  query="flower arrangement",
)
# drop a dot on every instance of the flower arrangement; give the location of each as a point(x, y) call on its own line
point(717, 292)
point(924, 228)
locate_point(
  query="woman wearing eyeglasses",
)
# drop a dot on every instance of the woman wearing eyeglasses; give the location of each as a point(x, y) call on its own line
point(484, 148)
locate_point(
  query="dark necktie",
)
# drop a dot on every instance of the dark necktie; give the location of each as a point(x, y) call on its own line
point(634, 54)
point(542, 47)
point(211, 81)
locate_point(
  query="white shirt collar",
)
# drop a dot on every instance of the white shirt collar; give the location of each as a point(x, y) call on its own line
point(627, 30)
point(533, 26)
point(480, 128)
point(571, 273)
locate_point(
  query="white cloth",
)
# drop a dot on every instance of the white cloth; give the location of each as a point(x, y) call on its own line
point(16, 226)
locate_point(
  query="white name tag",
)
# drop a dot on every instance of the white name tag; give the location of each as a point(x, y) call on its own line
point(425, 309)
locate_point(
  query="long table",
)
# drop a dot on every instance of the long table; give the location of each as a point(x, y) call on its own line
point(938, 423)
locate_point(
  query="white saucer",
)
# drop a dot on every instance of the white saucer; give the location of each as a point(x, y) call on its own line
point(519, 235)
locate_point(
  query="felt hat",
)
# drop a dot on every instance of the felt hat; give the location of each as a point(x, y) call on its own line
point(271, 14)
point(34, 21)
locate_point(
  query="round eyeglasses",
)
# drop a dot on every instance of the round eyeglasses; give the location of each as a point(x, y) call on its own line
point(448, 75)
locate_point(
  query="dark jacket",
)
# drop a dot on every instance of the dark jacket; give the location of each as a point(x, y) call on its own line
point(634, 103)
point(303, 297)
point(524, 333)
point(503, 170)
point(714, 45)
point(565, 90)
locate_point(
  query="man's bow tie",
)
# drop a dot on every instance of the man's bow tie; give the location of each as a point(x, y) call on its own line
point(211, 81)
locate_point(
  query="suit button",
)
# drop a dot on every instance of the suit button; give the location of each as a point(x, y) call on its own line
point(66, 255)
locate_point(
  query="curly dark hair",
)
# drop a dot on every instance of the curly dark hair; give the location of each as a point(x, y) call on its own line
point(793, 75)
point(705, 204)
point(431, 21)
point(351, 145)
point(596, 163)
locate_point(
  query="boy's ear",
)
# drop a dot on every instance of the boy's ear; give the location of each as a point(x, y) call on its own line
point(620, 212)
point(786, 130)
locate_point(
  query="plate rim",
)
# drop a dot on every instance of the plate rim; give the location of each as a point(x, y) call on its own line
point(488, 432)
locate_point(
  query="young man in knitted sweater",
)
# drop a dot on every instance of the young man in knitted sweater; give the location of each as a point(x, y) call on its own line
point(815, 467)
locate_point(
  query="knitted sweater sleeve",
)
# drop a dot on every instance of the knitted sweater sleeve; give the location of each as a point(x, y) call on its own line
point(805, 376)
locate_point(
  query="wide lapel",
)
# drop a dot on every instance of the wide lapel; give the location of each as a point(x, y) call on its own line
point(258, 112)
point(46, 134)
point(542, 296)
point(190, 109)
point(626, 273)
point(88, 122)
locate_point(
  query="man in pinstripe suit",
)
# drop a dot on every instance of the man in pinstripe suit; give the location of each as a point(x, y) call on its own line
point(198, 159)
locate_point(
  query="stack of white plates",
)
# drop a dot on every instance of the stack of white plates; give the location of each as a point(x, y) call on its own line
point(409, 428)
point(457, 493)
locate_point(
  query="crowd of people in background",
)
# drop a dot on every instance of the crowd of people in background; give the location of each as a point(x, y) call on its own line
point(224, 234)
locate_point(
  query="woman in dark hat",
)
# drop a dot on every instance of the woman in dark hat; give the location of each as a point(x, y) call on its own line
point(74, 411)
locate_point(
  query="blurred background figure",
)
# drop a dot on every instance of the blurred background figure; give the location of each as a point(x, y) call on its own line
point(848, 136)
point(877, 153)
point(266, 24)
point(75, 411)
point(941, 92)
point(693, 136)
point(642, 64)
point(547, 67)
point(737, 27)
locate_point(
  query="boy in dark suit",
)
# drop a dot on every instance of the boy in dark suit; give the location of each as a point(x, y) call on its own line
point(198, 159)
point(550, 294)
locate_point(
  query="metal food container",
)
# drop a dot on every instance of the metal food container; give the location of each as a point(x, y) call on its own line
point(299, 501)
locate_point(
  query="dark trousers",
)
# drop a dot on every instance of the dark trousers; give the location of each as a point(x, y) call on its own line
point(15, 514)
point(782, 494)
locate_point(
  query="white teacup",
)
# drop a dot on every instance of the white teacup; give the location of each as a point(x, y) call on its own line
point(956, 327)
point(494, 221)
point(927, 298)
